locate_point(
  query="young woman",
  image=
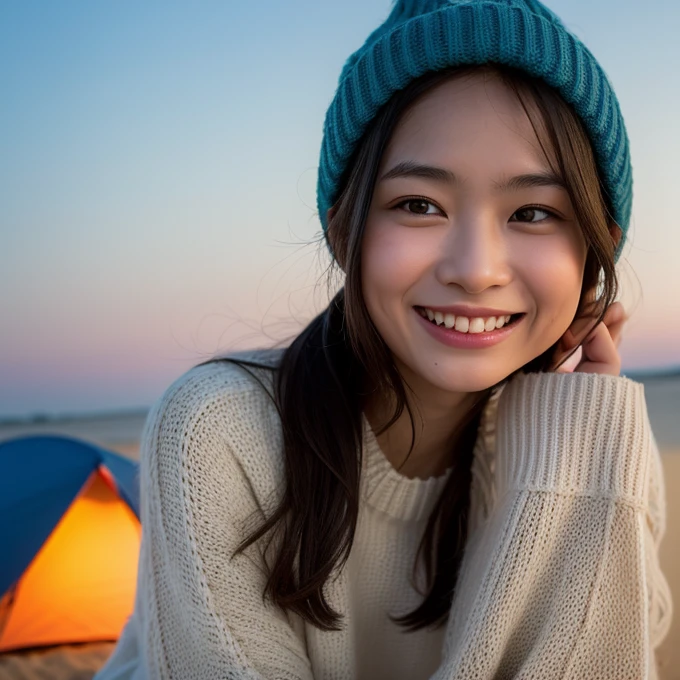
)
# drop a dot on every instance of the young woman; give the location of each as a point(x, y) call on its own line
point(416, 487)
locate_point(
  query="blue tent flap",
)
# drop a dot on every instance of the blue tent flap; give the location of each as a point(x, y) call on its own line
point(125, 472)
point(39, 478)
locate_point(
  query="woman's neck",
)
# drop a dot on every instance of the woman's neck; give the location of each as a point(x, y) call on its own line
point(436, 421)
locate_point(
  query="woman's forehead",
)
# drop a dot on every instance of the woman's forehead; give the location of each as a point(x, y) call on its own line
point(468, 125)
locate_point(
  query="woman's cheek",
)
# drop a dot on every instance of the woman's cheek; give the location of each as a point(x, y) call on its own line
point(556, 284)
point(396, 255)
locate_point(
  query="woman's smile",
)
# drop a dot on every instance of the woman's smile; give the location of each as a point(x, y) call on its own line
point(468, 333)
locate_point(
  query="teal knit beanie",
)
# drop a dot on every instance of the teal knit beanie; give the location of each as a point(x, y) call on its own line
point(428, 35)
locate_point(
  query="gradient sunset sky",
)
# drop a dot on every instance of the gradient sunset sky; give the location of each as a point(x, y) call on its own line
point(157, 183)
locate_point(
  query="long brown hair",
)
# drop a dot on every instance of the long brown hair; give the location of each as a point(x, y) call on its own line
point(326, 374)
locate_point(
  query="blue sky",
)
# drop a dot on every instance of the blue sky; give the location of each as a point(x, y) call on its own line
point(157, 177)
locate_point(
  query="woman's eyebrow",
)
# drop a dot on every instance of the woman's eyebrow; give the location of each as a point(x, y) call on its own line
point(528, 181)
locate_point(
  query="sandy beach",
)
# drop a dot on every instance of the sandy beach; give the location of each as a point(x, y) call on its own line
point(669, 651)
point(121, 432)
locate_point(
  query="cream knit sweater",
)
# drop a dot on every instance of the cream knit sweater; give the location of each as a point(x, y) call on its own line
point(560, 578)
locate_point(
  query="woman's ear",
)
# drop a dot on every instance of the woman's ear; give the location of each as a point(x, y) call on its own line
point(616, 233)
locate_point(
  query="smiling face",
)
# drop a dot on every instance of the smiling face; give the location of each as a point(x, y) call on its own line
point(450, 230)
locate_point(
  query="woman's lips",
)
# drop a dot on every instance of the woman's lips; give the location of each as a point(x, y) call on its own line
point(454, 338)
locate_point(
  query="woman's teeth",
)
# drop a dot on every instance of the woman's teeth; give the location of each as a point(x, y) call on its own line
point(464, 324)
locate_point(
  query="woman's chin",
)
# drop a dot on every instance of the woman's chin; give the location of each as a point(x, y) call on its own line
point(470, 378)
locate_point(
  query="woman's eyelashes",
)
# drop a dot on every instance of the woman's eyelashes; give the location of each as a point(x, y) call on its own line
point(422, 206)
point(420, 203)
point(537, 209)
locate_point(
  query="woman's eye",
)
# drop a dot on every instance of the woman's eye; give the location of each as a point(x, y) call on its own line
point(421, 206)
point(418, 206)
point(530, 212)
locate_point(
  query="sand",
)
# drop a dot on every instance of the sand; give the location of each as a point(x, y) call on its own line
point(66, 662)
point(668, 653)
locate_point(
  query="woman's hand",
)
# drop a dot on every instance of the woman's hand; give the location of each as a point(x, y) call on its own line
point(599, 349)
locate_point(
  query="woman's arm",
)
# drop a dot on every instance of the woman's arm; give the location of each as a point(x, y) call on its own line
point(562, 580)
point(199, 613)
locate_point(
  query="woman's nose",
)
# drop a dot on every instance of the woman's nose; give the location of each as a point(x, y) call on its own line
point(474, 256)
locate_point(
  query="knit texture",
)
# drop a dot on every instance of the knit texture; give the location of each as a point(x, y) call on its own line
point(560, 576)
point(420, 36)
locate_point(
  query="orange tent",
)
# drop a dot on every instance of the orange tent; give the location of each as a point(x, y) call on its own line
point(70, 542)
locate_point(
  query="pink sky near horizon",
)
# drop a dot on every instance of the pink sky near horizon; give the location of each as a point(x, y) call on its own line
point(129, 361)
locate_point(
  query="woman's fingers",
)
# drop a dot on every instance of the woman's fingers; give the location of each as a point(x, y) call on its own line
point(614, 319)
point(600, 353)
point(570, 364)
point(598, 342)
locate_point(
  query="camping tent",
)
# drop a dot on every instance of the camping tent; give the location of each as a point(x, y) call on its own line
point(69, 542)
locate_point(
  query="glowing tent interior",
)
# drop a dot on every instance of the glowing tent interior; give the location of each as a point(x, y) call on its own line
point(69, 542)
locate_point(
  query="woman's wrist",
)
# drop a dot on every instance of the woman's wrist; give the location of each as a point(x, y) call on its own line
point(573, 433)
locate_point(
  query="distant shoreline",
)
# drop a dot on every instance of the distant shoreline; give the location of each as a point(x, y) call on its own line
point(652, 374)
point(47, 418)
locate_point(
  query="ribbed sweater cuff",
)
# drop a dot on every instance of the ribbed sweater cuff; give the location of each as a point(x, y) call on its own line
point(578, 433)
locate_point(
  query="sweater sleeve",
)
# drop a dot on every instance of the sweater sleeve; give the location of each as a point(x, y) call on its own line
point(198, 613)
point(562, 578)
